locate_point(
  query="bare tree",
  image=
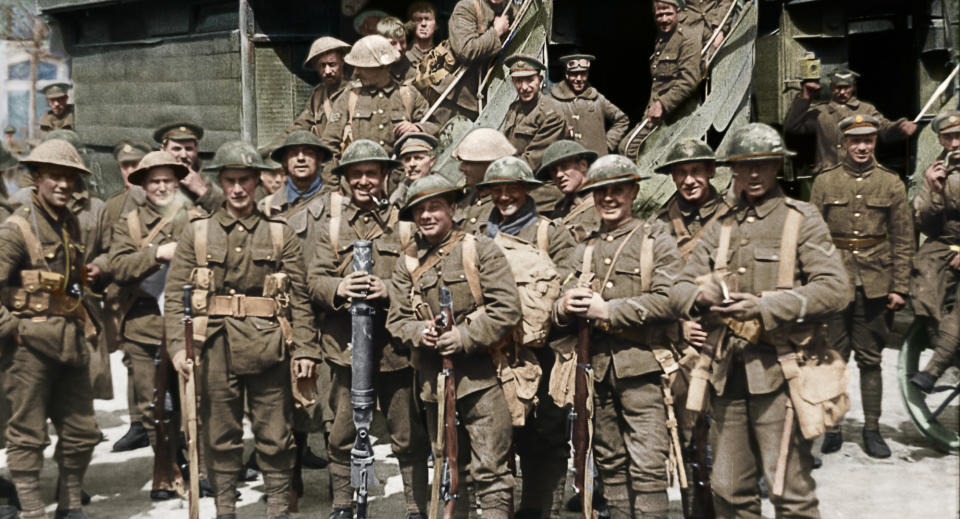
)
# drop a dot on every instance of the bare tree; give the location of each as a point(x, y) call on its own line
point(30, 32)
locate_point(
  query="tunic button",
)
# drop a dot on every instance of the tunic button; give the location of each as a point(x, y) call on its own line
point(744, 241)
point(742, 270)
point(209, 256)
point(856, 215)
point(855, 251)
point(49, 255)
point(751, 219)
point(366, 219)
point(440, 251)
point(473, 220)
point(239, 249)
point(607, 261)
point(609, 238)
point(232, 291)
point(380, 111)
point(380, 94)
point(859, 196)
point(859, 179)
point(636, 271)
point(381, 143)
point(381, 126)
point(836, 201)
point(609, 284)
point(856, 232)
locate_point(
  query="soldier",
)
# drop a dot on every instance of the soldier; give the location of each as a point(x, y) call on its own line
point(377, 108)
point(48, 376)
point(143, 243)
point(435, 259)
point(476, 151)
point(630, 431)
point(533, 121)
point(395, 32)
point(477, 29)
point(749, 397)
point(332, 283)
point(325, 57)
point(416, 152)
point(592, 119)
point(675, 72)
point(8, 493)
point(13, 144)
point(823, 119)
point(934, 275)
point(423, 17)
point(253, 345)
point(182, 140)
point(60, 114)
point(541, 442)
point(565, 162)
point(865, 207)
point(270, 181)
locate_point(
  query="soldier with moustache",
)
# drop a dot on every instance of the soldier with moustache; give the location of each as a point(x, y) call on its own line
point(60, 114)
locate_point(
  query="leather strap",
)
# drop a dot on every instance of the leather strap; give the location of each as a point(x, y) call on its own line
point(200, 228)
point(240, 306)
point(616, 256)
point(276, 239)
point(788, 249)
point(30, 239)
point(133, 226)
point(336, 214)
point(470, 268)
point(858, 243)
point(431, 260)
point(543, 235)
point(723, 247)
point(646, 260)
point(578, 210)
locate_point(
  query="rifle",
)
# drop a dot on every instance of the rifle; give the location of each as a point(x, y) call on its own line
point(363, 361)
point(166, 473)
point(696, 397)
point(582, 457)
point(450, 482)
point(188, 389)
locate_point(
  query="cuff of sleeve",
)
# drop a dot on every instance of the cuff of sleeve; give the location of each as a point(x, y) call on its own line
point(469, 345)
point(619, 314)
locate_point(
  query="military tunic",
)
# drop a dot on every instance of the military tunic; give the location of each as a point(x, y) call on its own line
point(415, 54)
point(823, 119)
point(318, 109)
point(577, 214)
point(244, 363)
point(481, 407)
point(688, 222)
point(50, 122)
point(394, 382)
point(593, 120)
point(751, 394)
point(531, 127)
point(474, 42)
point(377, 111)
point(46, 372)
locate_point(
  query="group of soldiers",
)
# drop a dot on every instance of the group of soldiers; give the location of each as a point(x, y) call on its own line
point(758, 297)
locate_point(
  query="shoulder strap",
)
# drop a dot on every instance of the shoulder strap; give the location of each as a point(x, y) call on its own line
point(406, 97)
point(470, 268)
point(33, 244)
point(723, 247)
point(200, 227)
point(579, 209)
point(646, 259)
point(133, 227)
point(476, 7)
point(676, 220)
point(327, 105)
point(268, 204)
point(788, 249)
point(586, 271)
point(616, 256)
point(420, 268)
point(276, 238)
point(336, 213)
point(687, 248)
point(543, 235)
point(405, 230)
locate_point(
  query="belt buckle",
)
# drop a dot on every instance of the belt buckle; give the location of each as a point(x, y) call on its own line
point(238, 305)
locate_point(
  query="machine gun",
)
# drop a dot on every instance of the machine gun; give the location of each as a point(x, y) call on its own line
point(364, 360)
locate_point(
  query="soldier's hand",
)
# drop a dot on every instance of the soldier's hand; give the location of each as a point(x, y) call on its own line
point(450, 342)
point(936, 176)
point(895, 301)
point(354, 285)
point(93, 273)
point(378, 289)
point(655, 112)
point(711, 290)
point(404, 127)
point(195, 183)
point(718, 41)
point(810, 89)
point(575, 302)
point(304, 368)
point(429, 335)
point(907, 128)
point(693, 333)
point(183, 366)
point(745, 307)
point(955, 262)
point(501, 24)
point(166, 251)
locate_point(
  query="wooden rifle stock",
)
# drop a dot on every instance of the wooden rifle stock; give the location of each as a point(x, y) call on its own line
point(189, 402)
point(581, 425)
point(450, 440)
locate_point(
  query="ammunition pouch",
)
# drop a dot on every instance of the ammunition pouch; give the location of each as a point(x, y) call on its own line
point(519, 375)
point(41, 294)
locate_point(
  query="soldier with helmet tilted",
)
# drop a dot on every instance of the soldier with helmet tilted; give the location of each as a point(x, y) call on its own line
point(765, 273)
point(624, 271)
point(326, 58)
point(865, 207)
point(333, 284)
point(566, 162)
point(253, 329)
point(476, 151)
point(44, 322)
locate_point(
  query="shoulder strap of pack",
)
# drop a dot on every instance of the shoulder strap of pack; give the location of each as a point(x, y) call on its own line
point(578, 210)
point(200, 227)
point(416, 268)
point(543, 235)
point(336, 214)
point(268, 204)
point(405, 231)
point(406, 97)
point(723, 247)
point(276, 238)
point(676, 220)
point(352, 98)
point(646, 259)
point(133, 227)
point(470, 268)
point(30, 238)
point(788, 249)
point(616, 256)
point(479, 11)
point(586, 270)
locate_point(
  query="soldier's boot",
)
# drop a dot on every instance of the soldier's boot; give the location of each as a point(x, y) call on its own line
point(871, 393)
point(308, 459)
point(70, 492)
point(497, 504)
point(832, 440)
point(224, 486)
point(342, 491)
point(651, 505)
point(543, 484)
point(618, 501)
point(945, 346)
point(414, 476)
point(276, 485)
point(136, 437)
point(28, 489)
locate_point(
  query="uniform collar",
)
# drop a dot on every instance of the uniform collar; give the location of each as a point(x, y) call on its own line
point(766, 206)
point(352, 211)
point(226, 220)
point(54, 215)
point(853, 103)
point(387, 90)
point(703, 211)
point(563, 92)
point(424, 247)
point(858, 170)
point(625, 228)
